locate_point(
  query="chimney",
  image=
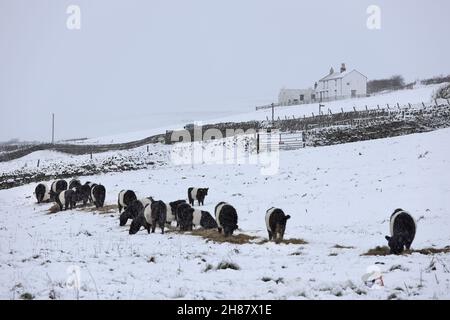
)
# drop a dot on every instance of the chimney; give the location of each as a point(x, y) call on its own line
point(331, 70)
point(343, 68)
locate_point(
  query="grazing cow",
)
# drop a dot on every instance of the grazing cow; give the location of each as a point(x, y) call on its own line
point(403, 230)
point(66, 199)
point(226, 218)
point(203, 219)
point(185, 216)
point(82, 193)
point(56, 187)
point(276, 223)
point(198, 194)
point(98, 194)
point(140, 221)
point(74, 183)
point(132, 211)
point(126, 197)
point(157, 215)
point(42, 193)
point(172, 210)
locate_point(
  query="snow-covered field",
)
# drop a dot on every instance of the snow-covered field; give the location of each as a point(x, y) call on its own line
point(337, 195)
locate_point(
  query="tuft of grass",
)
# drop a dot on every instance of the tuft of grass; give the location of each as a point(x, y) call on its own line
point(338, 246)
point(208, 267)
point(378, 251)
point(286, 241)
point(333, 254)
point(384, 251)
point(227, 265)
point(109, 208)
point(26, 296)
point(54, 208)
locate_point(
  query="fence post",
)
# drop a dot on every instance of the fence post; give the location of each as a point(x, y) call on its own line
point(147, 148)
point(257, 143)
point(409, 105)
point(39, 161)
point(387, 105)
point(435, 101)
point(354, 109)
point(342, 110)
point(423, 104)
point(91, 155)
point(367, 108)
point(398, 105)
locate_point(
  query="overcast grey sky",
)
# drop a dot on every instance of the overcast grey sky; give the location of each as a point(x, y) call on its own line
point(132, 62)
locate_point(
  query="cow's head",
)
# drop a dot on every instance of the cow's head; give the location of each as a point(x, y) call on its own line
point(396, 243)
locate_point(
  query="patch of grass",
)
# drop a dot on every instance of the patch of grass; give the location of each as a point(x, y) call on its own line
point(333, 254)
point(26, 296)
point(338, 246)
point(239, 238)
point(384, 251)
point(378, 251)
point(54, 208)
point(227, 265)
point(208, 267)
point(277, 281)
point(109, 208)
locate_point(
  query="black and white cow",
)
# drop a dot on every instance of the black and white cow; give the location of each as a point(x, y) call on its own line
point(172, 210)
point(226, 218)
point(56, 187)
point(74, 183)
point(66, 199)
point(203, 219)
point(198, 194)
point(133, 210)
point(42, 193)
point(98, 194)
point(403, 230)
point(276, 223)
point(125, 198)
point(185, 216)
point(140, 221)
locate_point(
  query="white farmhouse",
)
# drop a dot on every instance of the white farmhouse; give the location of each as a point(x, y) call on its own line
point(341, 85)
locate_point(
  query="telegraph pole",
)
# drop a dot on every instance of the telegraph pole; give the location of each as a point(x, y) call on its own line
point(53, 128)
point(273, 112)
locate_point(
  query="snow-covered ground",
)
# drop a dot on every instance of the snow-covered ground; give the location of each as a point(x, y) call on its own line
point(414, 96)
point(342, 194)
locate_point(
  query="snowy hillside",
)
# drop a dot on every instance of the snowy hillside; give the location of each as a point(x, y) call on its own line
point(417, 95)
point(340, 199)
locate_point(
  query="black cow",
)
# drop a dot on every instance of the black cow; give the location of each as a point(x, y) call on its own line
point(198, 194)
point(140, 221)
point(403, 230)
point(172, 210)
point(98, 194)
point(66, 199)
point(83, 193)
point(125, 198)
point(185, 216)
point(158, 215)
point(42, 193)
point(74, 183)
point(56, 187)
point(226, 218)
point(132, 211)
point(276, 223)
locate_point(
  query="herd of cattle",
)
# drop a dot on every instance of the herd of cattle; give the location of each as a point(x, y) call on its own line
point(150, 213)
